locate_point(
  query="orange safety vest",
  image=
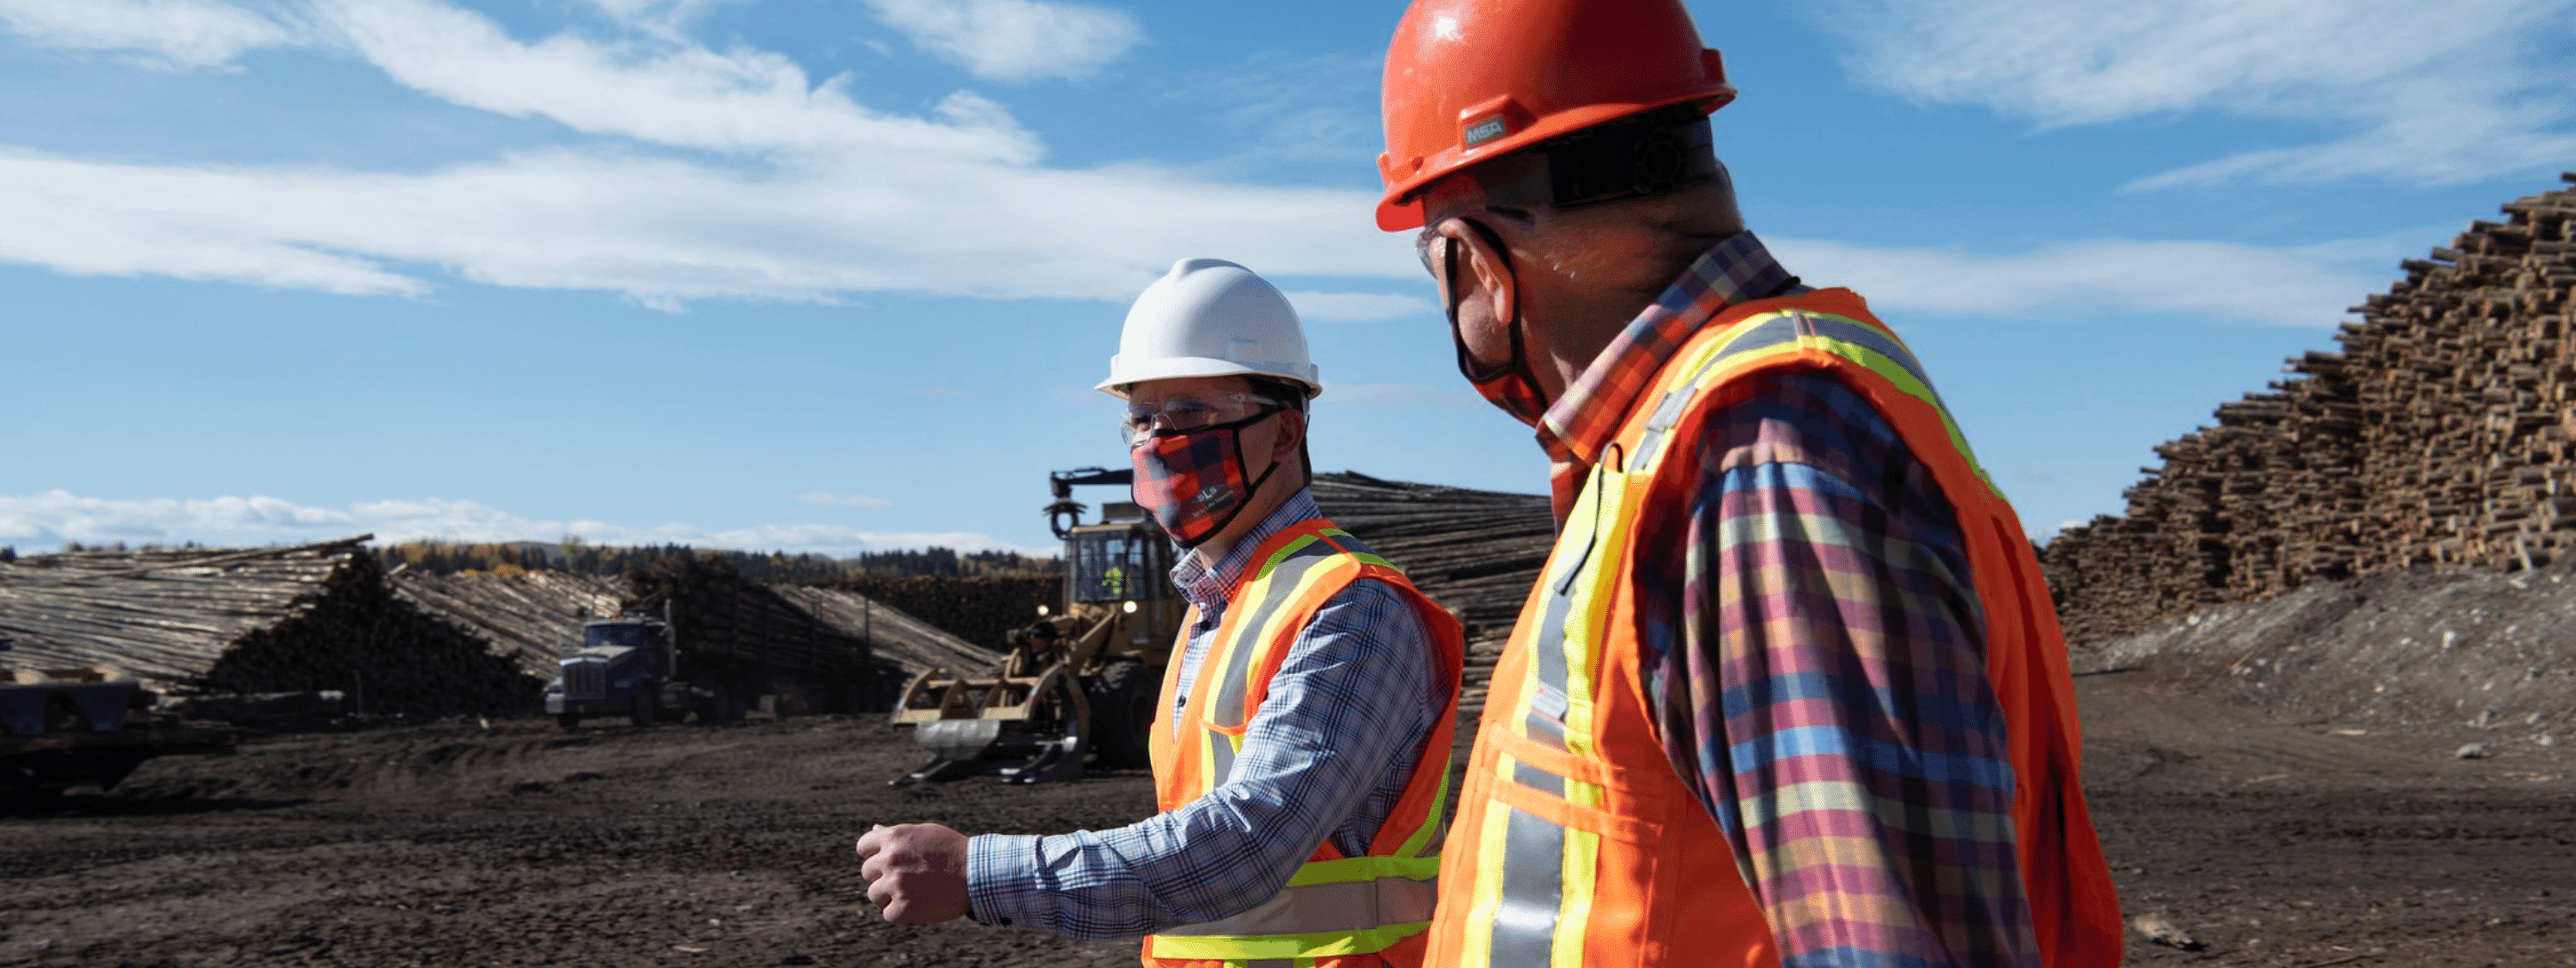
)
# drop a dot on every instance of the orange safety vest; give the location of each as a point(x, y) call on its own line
point(1335, 910)
point(1578, 844)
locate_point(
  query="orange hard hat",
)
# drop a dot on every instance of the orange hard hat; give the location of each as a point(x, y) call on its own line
point(1473, 80)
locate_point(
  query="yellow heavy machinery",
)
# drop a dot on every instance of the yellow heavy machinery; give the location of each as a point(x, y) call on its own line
point(1078, 686)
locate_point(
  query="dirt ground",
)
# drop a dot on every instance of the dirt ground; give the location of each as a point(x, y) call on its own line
point(2268, 842)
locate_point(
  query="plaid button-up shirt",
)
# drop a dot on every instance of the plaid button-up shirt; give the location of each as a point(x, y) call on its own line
point(1328, 754)
point(1815, 643)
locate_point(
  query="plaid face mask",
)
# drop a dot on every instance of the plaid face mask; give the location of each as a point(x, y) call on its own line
point(1193, 481)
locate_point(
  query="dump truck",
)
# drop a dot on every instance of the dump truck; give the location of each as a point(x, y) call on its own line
point(1078, 685)
point(61, 728)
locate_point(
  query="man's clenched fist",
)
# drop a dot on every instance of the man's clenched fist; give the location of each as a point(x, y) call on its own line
point(916, 873)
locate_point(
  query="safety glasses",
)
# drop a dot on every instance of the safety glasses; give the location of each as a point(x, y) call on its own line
point(1183, 414)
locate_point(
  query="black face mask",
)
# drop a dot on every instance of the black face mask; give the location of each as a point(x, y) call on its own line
point(1509, 385)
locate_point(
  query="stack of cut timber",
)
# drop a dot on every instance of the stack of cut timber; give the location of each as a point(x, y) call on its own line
point(982, 610)
point(1475, 552)
point(720, 616)
point(531, 618)
point(890, 634)
point(2442, 434)
point(262, 620)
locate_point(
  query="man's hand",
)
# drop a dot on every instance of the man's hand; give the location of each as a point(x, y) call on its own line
point(916, 873)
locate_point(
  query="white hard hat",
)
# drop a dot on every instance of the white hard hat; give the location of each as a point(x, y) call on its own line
point(1210, 317)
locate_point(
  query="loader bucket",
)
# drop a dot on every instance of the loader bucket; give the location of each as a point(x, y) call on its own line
point(1024, 729)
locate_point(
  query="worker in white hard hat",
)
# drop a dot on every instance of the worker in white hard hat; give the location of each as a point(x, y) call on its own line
point(1301, 754)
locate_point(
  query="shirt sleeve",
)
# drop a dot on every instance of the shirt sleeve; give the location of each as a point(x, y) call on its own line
point(1825, 693)
point(1312, 754)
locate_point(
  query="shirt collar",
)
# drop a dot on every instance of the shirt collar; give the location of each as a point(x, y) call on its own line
point(1581, 423)
point(1208, 588)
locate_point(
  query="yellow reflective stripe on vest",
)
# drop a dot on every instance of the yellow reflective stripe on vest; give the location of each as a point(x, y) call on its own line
point(1533, 893)
point(1345, 906)
point(1751, 340)
point(1272, 588)
point(1531, 901)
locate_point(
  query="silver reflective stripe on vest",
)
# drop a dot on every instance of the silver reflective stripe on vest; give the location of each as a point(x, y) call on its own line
point(1769, 333)
point(1533, 891)
point(1279, 585)
point(1878, 342)
point(1316, 908)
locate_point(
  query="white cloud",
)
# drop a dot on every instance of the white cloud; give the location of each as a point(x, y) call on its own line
point(1341, 307)
point(43, 521)
point(680, 95)
point(2289, 287)
point(2431, 92)
point(813, 197)
point(1015, 40)
point(658, 16)
point(166, 33)
point(828, 499)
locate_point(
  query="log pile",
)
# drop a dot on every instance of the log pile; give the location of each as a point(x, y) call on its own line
point(528, 617)
point(1475, 552)
point(718, 615)
point(981, 610)
point(297, 618)
point(892, 636)
point(2442, 434)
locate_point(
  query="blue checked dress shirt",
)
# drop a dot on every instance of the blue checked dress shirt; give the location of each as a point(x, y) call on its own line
point(1327, 754)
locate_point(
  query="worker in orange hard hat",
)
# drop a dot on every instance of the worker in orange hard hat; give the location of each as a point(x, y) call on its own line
point(1791, 690)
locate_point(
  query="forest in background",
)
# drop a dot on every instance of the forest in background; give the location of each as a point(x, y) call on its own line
point(579, 557)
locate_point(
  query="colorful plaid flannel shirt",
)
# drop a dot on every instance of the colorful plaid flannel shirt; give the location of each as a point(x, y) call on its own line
point(1816, 640)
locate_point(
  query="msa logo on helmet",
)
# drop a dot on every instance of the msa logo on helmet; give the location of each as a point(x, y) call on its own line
point(1484, 131)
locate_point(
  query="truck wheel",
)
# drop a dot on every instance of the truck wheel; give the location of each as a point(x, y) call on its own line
point(648, 704)
point(1122, 700)
point(569, 721)
point(717, 708)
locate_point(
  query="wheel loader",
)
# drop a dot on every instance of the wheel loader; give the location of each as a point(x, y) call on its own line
point(1077, 687)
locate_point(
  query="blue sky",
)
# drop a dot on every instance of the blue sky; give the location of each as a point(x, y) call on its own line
point(837, 275)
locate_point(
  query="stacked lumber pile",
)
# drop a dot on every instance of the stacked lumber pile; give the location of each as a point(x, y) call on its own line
point(718, 615)
point(2442, 434)
point(1475, 552)
point(892, 636)
point(528, 617)
point(981, 610)
point(298, 618)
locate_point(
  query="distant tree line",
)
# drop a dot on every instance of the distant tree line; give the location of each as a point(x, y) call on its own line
point(579, 557)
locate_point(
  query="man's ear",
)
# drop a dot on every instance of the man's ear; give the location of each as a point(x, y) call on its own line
point(1292, 434)
point(1486, 265)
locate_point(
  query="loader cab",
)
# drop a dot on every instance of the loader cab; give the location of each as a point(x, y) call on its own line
point(1121, 568)
point(1123, 558)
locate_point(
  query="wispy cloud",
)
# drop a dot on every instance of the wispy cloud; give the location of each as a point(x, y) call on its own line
point(812, 196)
point(1015, 40)
point(1345, 307)
point(2287, 287)
point(827, 499)
point(47, 520)
point(176, 34)
point(2434, 92)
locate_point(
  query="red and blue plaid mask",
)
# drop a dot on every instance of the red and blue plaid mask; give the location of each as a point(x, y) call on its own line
point(1194, 482)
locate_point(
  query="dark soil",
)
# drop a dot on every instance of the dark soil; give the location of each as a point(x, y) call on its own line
point(2268, 842)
